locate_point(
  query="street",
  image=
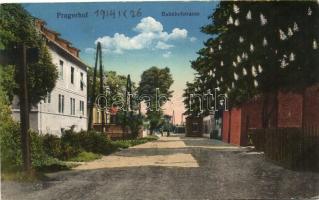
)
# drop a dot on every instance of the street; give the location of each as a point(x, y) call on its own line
point(173, 168)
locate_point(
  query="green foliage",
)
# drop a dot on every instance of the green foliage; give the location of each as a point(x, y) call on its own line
point(9, 134)
point(71, 144)
point(7, 82)
point(53, 165)
point(74, 146)
point(42, 76)
point(52, 145)
point(38, 155)
point(135, 124)
point(152, 79)
point(155, 119)
point(167, 125)
point(131, 120)
point(17, 26)
point(10, 142)
point(11, 157)
point(116, 84)
point(95, 142)
point(85, 157)
point(123, 144)
point(227, 54)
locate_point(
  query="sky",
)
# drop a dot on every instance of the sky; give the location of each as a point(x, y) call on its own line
point(134, 36)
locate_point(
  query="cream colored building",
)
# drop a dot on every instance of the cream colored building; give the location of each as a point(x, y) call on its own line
point(66, 105)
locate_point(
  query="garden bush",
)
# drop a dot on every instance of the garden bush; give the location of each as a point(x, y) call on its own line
point(10, 146)
point(85, 156)
point(11, 156)
point(52, 145)
point(72, 143)
point(129, 143)
point(96, 142)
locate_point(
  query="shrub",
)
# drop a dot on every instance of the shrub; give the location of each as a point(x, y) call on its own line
point(52, 165)
point(85, 156)
point(10, 146)
point(133, 121)
point(129, 143)
point(73, 143)
point(52, 145)
point(11, 156)
point(10, 142)
point(96, 142)
point(38, 155)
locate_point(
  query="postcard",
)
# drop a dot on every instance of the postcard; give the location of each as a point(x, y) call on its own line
point(159, 100)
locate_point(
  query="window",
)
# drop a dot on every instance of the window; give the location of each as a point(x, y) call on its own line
point(49, 97)
point(72, 75)
point(61, 70)
point(82, 107)
point(98, 117)
point(61, 103)
point(72, 106)
point(81, 81)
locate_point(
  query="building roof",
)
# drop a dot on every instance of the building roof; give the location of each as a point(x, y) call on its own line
point(61, 45)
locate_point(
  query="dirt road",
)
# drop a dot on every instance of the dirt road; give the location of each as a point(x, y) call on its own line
point(173, 168)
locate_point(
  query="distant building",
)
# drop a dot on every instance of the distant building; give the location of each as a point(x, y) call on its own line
point(65, 106)
point(194, 126)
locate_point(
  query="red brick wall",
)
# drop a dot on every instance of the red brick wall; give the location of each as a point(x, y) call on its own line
point(311, 106)
point(252, 112)
point(225, 126)
point(235, 126)
point(289, 109)
point(293, 109)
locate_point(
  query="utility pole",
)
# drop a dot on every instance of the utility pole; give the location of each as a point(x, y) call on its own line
point(20, 55)
point(24, 107)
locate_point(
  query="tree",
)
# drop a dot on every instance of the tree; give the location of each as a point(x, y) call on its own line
point(17, 29)
point(115, 83)
point(17, 26)
point(281, 56)
point(192, 105)
point(155, 82)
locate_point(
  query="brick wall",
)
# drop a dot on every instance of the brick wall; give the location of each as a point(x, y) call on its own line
point(293, 110)
point(252, 113)
point(235, 126)
point(225, 128)
point(311, 106)
point(289, 109)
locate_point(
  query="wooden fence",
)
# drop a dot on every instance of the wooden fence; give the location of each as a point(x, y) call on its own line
point(294, 148)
